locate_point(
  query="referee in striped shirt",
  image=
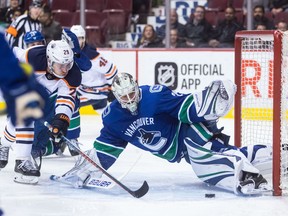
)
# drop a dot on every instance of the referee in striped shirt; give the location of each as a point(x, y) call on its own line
point(24, 23)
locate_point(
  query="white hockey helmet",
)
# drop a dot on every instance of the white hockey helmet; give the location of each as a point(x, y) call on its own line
point(126, 91)
point(78, 30)
point(60, 58)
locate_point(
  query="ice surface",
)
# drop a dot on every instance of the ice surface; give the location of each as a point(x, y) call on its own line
point(174, 189)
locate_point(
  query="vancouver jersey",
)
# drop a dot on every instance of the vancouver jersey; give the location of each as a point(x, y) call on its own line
point(156, 128)
point(97, 81)
point(8, 63)
point(63, 89)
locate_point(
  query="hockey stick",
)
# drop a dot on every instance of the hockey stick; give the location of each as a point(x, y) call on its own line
point(104, 183)
point(137, 193)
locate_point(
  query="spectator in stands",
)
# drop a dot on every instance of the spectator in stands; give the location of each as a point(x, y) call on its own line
point(282, 26)
point(277, 6)
point(149, 38)
point(174, 24)
point(7, 13)
point(51, 29)
point(224, 33)
point(24, 23)
point(254, 3)
point(259, 17)
point(16, 14)
point(197, 30)
point(174, 40)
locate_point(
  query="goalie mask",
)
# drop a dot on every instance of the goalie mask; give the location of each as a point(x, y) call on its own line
point(126, 91)
point(60, 58)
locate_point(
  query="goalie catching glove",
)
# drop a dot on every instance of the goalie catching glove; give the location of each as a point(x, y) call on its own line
point(216, 100)
point(60, 125)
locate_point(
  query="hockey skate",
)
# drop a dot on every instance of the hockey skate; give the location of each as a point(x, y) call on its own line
point(81, 171)
point(253, 183)
point(26, 172)
point(4, 154)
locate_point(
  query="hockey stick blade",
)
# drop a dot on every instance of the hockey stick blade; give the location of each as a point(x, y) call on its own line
point(103, 182)
point(98, 183)
point(137, 194)
point(141, 191)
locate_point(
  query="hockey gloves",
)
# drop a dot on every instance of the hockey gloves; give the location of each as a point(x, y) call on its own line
point(72, 40)
point(60, 125)
point(80, 58)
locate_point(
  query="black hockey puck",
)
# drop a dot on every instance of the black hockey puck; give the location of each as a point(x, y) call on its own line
point(209, 195)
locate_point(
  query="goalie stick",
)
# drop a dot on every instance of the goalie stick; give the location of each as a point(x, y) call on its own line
point(137, 193)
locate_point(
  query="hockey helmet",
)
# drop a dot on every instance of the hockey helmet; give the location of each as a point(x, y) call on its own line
point(126, 91)
point(60, 58)
point(33, 37)
point(79, 31)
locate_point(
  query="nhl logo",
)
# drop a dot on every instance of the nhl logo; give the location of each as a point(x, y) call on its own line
point(166, 73)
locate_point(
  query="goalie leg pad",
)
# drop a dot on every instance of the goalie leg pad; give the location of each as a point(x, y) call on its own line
point(260, 156)
point(216, 100)
point(221, 169)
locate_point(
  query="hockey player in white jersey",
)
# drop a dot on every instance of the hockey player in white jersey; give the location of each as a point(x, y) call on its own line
point(55, 69)
point(95, 88)
point(96, 83)
point(173, 126)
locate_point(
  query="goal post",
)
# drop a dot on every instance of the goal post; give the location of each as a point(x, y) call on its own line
point(261, 101)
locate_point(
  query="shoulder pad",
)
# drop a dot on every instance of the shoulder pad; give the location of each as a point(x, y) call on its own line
point(36, 56)
point(74, 77)
point(90, 51)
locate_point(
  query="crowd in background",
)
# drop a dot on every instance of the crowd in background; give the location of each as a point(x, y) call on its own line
point(198, 31)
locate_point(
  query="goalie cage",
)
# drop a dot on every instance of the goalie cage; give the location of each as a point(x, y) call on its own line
point(261, 102)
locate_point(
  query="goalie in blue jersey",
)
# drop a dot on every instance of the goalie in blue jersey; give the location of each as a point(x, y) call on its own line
point(176, 126)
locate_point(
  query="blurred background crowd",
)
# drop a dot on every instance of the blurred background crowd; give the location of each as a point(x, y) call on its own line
point(142, 23)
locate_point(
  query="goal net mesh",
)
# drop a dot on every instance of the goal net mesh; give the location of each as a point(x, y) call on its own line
point(257, 106)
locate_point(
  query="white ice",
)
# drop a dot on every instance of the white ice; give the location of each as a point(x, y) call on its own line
point(174, 188)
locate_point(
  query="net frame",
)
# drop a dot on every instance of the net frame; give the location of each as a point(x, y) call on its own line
point(276, 37)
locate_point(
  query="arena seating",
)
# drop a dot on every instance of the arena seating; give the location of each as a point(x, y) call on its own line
point(64, 5)
point(218, 5)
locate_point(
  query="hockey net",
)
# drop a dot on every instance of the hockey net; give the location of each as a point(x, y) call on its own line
point(261, 103)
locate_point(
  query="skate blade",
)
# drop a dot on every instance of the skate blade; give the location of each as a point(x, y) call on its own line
point(250, 190)
point(22, 179)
